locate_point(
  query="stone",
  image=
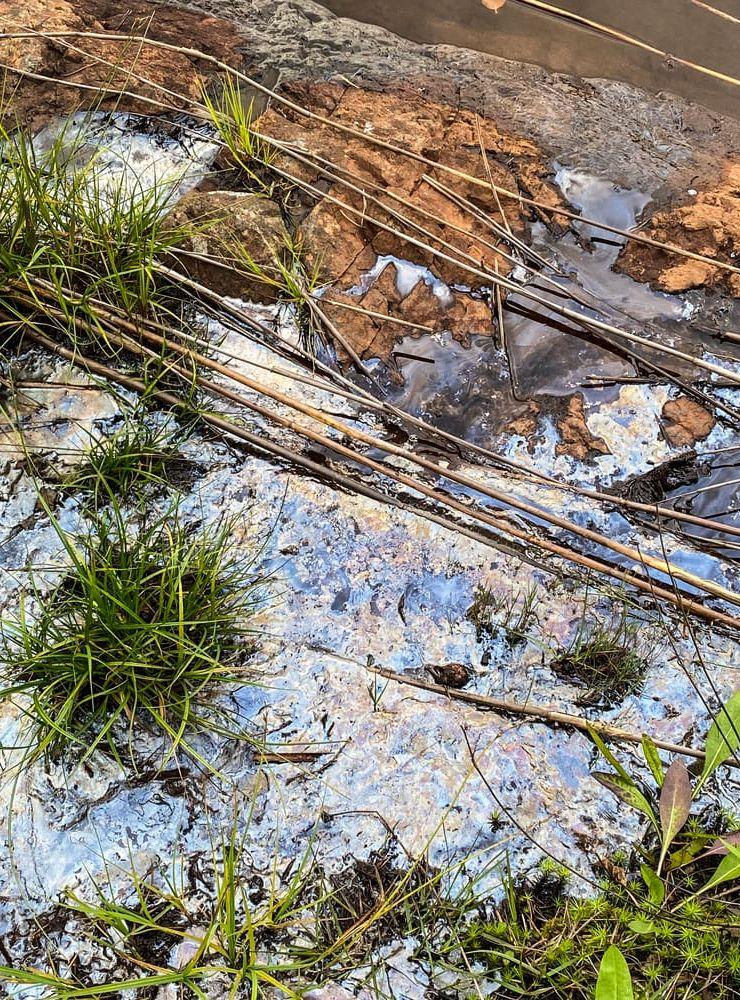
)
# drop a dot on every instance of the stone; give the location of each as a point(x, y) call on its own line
point(452, 675)
point(684, 422)
point(223, 223)
point(576, 439)
point(94, 62)
point(708, 225)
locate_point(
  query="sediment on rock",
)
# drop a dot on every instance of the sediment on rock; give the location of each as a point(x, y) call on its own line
point(708, 224)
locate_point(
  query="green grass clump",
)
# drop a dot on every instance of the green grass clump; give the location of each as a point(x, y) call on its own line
point(143, 628)
point(75, 249)
point(250, 152)
point(137, 454)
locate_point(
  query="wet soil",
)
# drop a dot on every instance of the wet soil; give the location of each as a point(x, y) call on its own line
point(357, 579)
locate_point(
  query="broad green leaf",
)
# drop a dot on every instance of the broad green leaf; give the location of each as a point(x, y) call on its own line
point(627, 791)
point(655, 885)
point(652, 757)
point(727, 870)
point(723, 738)
point(675, 805)
point(641, 926)
point(615, 981)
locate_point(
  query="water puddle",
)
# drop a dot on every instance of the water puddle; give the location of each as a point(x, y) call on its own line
point(521, 33)
point(552, 355)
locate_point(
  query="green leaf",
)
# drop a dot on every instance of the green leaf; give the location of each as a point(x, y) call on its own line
point(655, 885)
point(641, 926)
point(615, 981)
point(652, 757)
point(608, 755)
point(675, 805)
point(723, 738)
point(727, 870)
point(627, 791)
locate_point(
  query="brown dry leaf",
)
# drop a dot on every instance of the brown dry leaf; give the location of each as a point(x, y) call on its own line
point(494, 5)
point(675, 804)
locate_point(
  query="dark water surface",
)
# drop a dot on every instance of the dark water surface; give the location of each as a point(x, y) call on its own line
point(681, 28)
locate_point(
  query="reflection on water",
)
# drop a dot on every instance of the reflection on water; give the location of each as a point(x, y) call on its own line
point(677, 27)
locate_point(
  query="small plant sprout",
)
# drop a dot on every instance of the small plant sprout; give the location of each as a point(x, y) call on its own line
point(232, 116)
point(603, 658)
point(509, 616)
point(149, 622)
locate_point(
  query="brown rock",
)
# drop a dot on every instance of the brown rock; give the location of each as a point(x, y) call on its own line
point(345, 244)
point(373, 337)
point(222, 225)
point(685, 422)
point(525, 425)
point(709, 225)
point(451, 675)
point(336, 244)
point(576, 439)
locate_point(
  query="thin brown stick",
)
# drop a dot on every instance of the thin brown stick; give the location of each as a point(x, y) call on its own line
point(505, 283)
point(137, 329)
point(356, 434)
point(545, 713)
point(496, 522)
point(499, 524)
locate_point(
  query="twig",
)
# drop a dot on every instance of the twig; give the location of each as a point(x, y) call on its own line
point(542, 712)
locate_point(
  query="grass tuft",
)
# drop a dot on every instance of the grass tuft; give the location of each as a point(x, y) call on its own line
point(143, 628)
point(233, 117)
point(138, 454)
point(603, 658)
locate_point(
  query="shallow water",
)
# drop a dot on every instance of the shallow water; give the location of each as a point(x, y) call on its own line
point(354, 579)
point(131, 154)
point(677, 27)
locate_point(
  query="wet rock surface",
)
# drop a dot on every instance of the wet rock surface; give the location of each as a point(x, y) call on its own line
point(576, 439)
point(619, 131)
point(685, 422)
point(226, 228)
point(708, 223)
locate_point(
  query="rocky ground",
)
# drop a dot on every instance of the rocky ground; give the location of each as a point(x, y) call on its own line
point(357, 582)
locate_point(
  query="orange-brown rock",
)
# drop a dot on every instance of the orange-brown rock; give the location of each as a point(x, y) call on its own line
point(346, 231)
point(113, 66)
point(684, 422)
point(452, 675)
point(527, 423)
point(708, 225)
point(576, 439)
point(375, 336)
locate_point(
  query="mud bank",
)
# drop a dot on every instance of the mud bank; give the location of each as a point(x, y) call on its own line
point(610, 129)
